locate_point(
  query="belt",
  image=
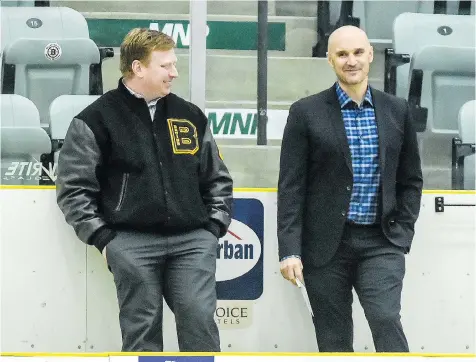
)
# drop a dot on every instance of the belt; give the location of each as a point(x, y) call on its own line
point(361, 226)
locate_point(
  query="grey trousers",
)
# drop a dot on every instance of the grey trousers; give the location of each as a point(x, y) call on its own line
point(368, 262)
point(181, 269)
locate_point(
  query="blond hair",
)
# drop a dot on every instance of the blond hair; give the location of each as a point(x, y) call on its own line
point(138, 44)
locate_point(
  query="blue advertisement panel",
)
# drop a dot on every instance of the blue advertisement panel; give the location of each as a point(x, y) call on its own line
point(240, 253)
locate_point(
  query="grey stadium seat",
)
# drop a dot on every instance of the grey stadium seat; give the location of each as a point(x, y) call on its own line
point(467, 129)
point(413, 31)
point(43, 58)
point(23, 141)
point(376, 17)
point(62, 111)
point(463, 160)
point(441, 81)
point(23, 22)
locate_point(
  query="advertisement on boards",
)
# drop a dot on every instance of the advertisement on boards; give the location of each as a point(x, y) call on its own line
point(240, 265)
point(243, 123)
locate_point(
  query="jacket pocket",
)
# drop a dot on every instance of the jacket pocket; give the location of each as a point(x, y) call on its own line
point(122, 192)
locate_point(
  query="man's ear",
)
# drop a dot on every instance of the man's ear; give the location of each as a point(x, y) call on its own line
point(329, 60)
point(137, 68)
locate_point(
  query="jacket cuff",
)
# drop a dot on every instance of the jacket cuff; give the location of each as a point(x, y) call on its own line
point(214, 228)
point(102, 237)
point(291, 256)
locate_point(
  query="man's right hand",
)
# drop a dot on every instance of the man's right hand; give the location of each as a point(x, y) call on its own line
point(291, 268)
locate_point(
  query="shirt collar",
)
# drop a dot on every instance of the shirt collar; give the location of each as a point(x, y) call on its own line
point(151, 103)
point(344, 99)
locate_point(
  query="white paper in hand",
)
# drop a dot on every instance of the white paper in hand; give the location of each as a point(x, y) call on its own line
point(304, 295)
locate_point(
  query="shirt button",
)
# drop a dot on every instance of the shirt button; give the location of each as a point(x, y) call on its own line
point(343, 213)
point(160, 164)
point(348, 188)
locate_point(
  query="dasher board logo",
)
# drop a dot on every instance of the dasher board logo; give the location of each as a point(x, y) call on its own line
point(240, 253)
point(234, 314)
point(176, 358)
point(25, 171)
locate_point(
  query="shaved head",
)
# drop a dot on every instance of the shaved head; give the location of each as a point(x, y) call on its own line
point(347, 37)
point(349, 53)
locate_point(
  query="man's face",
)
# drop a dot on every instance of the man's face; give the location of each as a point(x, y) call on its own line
point(350, 55)
point(160, 72)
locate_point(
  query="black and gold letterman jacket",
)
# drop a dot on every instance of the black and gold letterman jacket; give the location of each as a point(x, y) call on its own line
point(118, 170)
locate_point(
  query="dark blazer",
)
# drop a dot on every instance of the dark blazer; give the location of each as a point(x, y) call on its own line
point(315, 179)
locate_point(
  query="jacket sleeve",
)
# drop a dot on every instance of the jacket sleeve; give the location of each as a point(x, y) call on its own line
point(409, 183)
point(292, 184)
point(77, 185)
point(216, 186)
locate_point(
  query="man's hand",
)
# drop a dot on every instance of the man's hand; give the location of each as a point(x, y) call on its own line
point(291, 268)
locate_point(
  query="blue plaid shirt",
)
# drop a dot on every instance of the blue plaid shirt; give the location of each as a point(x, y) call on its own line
point(362, 136)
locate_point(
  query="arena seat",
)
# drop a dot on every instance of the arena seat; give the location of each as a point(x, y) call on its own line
point(62, 111)
point(42, 58)
point(463, 160)
point(23, 141)
point(411, 32)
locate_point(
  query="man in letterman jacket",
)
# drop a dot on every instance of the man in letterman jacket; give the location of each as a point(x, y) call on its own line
point(140, 178)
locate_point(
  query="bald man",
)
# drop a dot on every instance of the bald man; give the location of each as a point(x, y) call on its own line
point(349, 194)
